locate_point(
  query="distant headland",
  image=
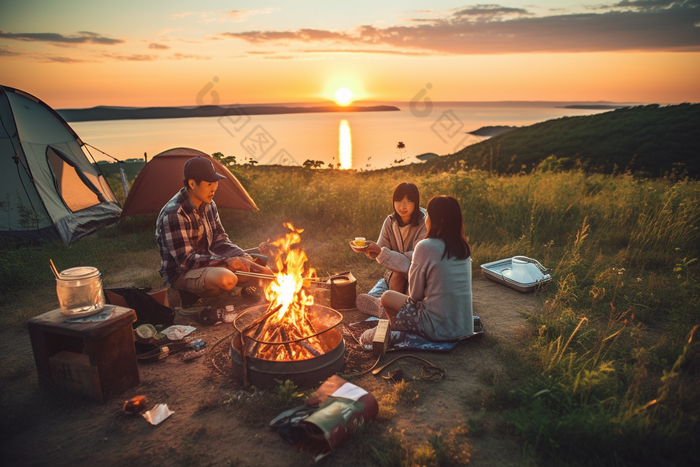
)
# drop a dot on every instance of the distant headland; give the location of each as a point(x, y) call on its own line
point(139, 113)
point(594, 106)
point(492, 130)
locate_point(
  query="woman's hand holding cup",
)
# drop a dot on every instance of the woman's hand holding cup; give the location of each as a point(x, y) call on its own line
point(372, 249)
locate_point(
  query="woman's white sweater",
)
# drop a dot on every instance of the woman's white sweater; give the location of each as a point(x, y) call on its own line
point(445, 288)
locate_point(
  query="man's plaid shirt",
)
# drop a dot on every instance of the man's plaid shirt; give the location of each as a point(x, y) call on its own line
point(190, 238)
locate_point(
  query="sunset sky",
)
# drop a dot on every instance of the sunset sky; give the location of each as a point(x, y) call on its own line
point(78, 53)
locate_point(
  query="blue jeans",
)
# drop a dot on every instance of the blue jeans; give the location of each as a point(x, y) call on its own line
point(379, 289)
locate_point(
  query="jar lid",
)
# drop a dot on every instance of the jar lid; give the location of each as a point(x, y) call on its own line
point(81, 272)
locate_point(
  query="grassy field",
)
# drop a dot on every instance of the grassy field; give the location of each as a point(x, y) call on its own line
point(609, 371)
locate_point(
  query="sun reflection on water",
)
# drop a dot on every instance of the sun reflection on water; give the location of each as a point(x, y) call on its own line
point(344, 145)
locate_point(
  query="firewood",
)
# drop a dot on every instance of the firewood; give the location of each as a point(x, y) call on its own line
point(285, 338)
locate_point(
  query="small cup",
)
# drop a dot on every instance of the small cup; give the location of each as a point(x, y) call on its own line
point(360, 242)
point(229, 314)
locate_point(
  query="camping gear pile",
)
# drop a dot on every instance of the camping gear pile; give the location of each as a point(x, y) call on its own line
point(327, 419)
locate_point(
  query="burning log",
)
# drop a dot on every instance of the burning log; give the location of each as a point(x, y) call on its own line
point(288, 348)
point(310, 349)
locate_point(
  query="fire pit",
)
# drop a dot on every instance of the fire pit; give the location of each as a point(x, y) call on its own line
point(291, 338)
point(313, 358)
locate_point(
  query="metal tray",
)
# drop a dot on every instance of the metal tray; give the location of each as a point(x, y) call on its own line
point(494, 271)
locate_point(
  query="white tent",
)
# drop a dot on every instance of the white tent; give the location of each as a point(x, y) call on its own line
point(48, 187)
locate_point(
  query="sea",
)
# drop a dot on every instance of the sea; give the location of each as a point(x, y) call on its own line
point(348, 140)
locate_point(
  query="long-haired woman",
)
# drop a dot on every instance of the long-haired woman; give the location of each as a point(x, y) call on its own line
point(439, 301)
point(401, 230)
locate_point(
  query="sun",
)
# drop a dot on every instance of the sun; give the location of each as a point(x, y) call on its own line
point(343, 96)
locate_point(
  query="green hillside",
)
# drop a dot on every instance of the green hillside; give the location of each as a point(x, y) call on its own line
point(649, 139)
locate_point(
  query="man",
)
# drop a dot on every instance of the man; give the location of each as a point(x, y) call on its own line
point(196, 254)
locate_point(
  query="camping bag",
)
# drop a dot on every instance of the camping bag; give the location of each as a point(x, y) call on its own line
point(148, 310)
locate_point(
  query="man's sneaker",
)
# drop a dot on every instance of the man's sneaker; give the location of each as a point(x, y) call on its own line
point(369, 305)
point(188, 299)
point(183, 302)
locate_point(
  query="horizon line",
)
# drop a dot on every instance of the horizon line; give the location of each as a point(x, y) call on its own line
point(381, 102)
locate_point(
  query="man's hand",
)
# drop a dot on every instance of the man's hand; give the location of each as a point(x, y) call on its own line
point(238, 263)
point(268, 249)
point(241, 263)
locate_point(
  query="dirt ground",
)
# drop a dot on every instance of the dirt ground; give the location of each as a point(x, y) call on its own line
point(42, 427)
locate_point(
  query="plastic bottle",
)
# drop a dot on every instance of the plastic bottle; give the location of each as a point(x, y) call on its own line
point(197, 345)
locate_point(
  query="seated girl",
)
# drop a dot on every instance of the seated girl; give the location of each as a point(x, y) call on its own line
point(438, 306)
point(394, 249)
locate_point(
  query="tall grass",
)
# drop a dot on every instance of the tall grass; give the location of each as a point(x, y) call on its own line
point(610, 372)
point(613, 367)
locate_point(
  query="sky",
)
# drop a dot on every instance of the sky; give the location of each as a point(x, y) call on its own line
point(76, 53)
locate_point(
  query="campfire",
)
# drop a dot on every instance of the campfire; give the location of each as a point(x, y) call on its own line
point(291, 328)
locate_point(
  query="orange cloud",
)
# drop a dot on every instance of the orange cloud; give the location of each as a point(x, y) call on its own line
point(7, 52)
point(369, 51)
point(492, 29)
point(61, 59)
point(130, 58)
point(302, 35)
point(222, 16)
point(179, 56)
point(83, 37)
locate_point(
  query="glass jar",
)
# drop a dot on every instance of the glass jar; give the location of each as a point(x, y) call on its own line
point(80, 291)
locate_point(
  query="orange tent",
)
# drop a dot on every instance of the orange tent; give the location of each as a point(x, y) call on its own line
point(162, 177)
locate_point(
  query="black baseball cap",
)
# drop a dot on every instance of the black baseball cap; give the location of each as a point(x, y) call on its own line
point(201, 168)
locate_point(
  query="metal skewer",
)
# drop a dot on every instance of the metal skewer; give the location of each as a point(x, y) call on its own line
point(272, 276)
point(307, 281)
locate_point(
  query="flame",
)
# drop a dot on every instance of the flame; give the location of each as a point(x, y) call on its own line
point(287, 295)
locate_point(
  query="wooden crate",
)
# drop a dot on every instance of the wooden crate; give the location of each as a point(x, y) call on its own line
point(97, 358)
point(74, 372)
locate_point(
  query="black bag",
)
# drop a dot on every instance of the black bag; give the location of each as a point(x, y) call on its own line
point(148, 310)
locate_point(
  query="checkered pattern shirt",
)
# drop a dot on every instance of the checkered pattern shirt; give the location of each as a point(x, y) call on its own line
point(190, 238)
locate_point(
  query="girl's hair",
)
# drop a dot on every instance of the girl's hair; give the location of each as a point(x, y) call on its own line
point(446, 224)
point(407, 189)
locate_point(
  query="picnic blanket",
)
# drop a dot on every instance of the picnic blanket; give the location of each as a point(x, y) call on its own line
point(406, 341)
